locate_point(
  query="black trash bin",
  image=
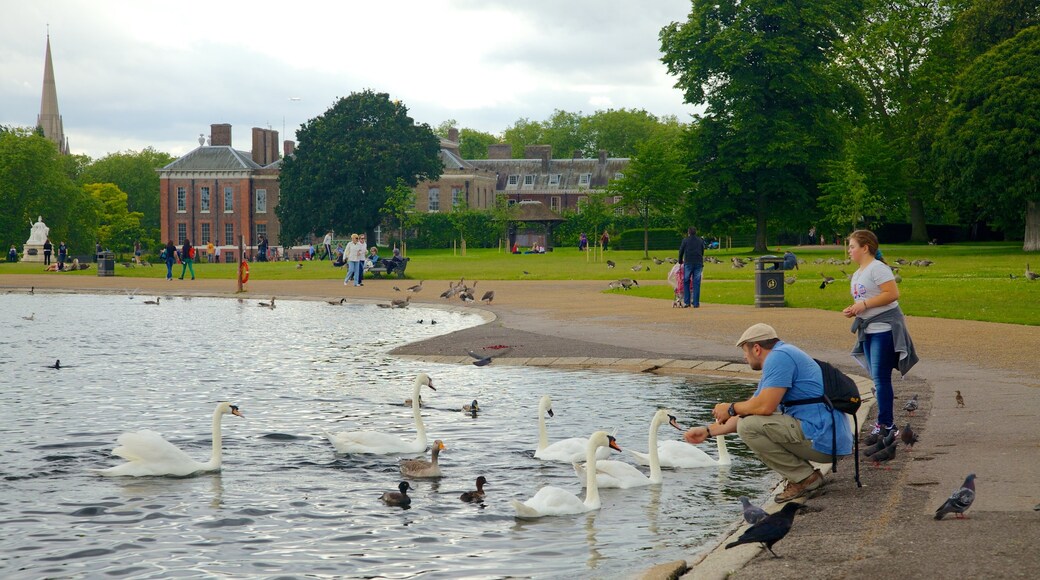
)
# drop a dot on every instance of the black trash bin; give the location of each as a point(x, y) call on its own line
point(106, 263)
point(769, 281)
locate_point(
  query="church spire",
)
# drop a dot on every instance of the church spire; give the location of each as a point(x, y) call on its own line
point(50, 120)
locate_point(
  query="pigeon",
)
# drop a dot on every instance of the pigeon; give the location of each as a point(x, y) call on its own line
point(886, 454)
point(752, 513)
point(483, 360)
point(960, 399)
point(155, 302)
point(770, 530)
point(908, 437)
point(880, 444)
point(610, 264)
point(399, 498)
point(960, 501)
point(416, 288)
point(911, 406)
point(826, 280)
point(488, 297)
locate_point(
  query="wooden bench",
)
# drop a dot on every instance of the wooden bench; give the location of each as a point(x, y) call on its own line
point(378, 271)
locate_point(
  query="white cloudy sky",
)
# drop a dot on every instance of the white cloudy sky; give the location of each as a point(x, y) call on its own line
point(138, 73)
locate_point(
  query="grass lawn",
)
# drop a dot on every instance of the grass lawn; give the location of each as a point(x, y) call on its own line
point(967, 281)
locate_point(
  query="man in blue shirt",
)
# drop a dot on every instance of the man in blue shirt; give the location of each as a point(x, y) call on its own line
point(785, 438)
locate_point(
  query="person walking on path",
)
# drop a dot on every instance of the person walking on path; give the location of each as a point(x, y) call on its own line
point(358, 257)
point(327, 242)
point(784, 437)
point(882, 340)
point(169, 255)
point(187, 258)
point(63, 255)
point(348, 254)
point(691, 254)
point(47, 248)
point(604, 240)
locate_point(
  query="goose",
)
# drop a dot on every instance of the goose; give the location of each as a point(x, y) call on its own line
point(399, 498)
point(416, 288)
point(1031, 275)
point(400, 303)
point(153, 302)
point(476, 495)
point(488, 297)
point(337, 302)
point(610, 264)
point(421, 467)
point(396, 289)
point(556, 501)
point(620, 474)
point(147, 453)
point(566, 450)
point(679, 454)
point(378, 443)
point(30, 318)
point(267, 304)
point(471, 407)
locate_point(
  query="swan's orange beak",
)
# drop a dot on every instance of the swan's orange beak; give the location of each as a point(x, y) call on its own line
point(613, 443)
point(235, 411)
point(674, 422)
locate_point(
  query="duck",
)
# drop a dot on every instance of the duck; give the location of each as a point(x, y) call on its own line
point(556, 501)
point(471, 407)
point(337, 302)
point(398, 498)
point(477, 494)
point(56, 365)
point(30, 318)
point(421, 467)
point(378, 443)
point(153, 302)
point(679, 454)
point(408, 402)
point(623, 475)
point(567, 450)
point(148, 454)
point(267, 304)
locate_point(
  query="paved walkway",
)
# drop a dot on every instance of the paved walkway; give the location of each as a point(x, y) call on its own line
point(882, 529)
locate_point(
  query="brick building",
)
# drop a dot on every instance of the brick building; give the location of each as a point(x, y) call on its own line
point(218, 193)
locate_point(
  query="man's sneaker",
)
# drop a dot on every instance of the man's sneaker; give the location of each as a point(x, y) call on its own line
point(801, 489)
point(878, 433)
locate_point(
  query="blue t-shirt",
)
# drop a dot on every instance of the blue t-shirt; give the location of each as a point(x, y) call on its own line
point(788, 367)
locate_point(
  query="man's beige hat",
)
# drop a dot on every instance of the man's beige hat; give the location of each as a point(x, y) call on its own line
point(756, 333)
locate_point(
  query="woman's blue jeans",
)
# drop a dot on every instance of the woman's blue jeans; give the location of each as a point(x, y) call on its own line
point(881, 356)
point(692, 274)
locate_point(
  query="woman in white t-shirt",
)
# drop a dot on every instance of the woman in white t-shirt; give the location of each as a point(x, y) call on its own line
point(874, 292)
point(350, 253)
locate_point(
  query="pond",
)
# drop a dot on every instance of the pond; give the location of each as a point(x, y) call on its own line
point(285, 503)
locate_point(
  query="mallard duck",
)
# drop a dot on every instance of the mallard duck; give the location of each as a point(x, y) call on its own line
point(399, 498)
point(421, 467)
point(476, 495)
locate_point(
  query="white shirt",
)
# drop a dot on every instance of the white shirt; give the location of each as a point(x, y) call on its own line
point(866, 283)
point(328, 240)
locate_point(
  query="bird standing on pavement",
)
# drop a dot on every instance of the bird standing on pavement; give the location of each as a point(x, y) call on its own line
point(911, 406)
point(752, 513)
point(908, 437)
point(880, 444)
point(416, 288)
point(960, 399)
point(960, 501)
point(770, 530)
point(886, 454)
point(488, 297)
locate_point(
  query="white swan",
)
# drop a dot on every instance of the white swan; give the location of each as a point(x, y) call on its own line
point(556, 501)
point(569, 450)
point(623, 475)
point(379, 443)
point(147, 453)
point(672, 453)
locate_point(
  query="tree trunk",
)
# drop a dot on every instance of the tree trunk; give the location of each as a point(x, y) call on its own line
point(918, 227)
point(760, 227)
point(1032, 241)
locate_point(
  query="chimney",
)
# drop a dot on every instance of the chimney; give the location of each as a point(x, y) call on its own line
point(453, 135)
point(602, 156)
point(500, 151)
point(259, 146)
point(272, 147)
point(220, 135)
point(288, 148)
point(542, 152)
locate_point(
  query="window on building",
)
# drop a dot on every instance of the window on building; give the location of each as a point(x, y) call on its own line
point(581, 203)
point(619, 175)
point(618, 208)
point(528, 182)
point(182, 233)
point(205, 233)
point(554, 180)
point(435, 199)
point(513, 181)
point(261, 201)
point(229, 234)
point(511, 202)
point(456, 196)
point(261, 230)
point(554, 203)
point(204, 200)
point(229, 200)
point(585, 179)
point(182, 200)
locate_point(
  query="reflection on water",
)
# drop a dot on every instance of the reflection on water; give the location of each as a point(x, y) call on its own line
point(285, 503)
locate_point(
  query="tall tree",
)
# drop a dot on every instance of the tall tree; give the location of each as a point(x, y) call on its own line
point(346, 160)
point(988, 144)
point(133, 172)
point(522, 133)
point(119, 227)
point(399, 207)
point(619, 131)
point(763, 68)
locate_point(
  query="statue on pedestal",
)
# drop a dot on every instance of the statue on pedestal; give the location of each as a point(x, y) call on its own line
point(39, 232)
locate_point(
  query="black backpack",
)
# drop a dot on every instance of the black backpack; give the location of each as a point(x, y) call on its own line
point(840, 393)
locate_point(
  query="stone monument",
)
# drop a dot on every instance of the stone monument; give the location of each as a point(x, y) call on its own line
point(33, 249)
